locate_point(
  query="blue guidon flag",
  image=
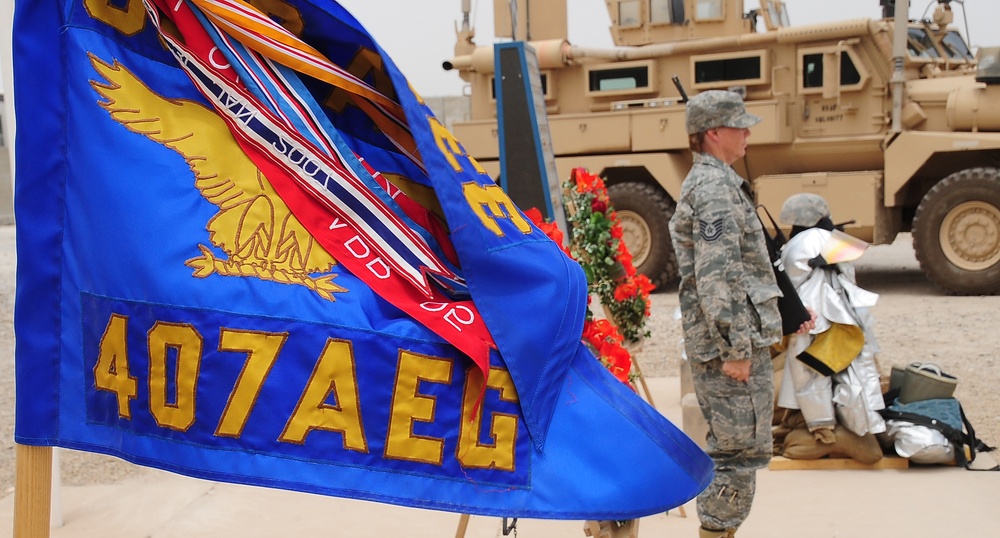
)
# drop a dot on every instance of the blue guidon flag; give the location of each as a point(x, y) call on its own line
point(248, 252)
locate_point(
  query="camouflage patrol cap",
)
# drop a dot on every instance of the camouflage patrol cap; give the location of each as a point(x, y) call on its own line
point(717, 108)
point(804, 209)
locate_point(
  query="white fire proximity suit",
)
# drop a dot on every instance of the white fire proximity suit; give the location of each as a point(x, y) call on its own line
point(853, 396)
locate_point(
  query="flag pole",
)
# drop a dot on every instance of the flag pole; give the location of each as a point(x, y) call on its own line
point(32, 491)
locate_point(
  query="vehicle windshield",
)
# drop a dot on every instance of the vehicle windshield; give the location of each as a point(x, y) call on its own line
point(920, 44)
point(954, 46)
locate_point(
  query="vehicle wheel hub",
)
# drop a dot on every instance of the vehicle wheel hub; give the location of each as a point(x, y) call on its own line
point(637, 236)
point(970, 235)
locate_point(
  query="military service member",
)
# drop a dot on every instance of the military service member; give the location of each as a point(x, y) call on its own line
point(728, 299)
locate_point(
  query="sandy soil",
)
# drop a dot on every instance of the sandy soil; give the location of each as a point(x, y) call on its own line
point(915, 322)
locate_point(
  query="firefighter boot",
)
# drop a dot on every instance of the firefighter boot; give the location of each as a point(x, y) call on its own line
point(706, 533)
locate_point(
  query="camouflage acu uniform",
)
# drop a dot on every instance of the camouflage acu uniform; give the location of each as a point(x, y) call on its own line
point(728, 298)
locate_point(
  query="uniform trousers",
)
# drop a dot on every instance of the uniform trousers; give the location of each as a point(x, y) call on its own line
point(739, 436)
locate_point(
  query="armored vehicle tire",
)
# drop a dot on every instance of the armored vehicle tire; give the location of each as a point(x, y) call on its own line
point(956, 232)
point(644, 212)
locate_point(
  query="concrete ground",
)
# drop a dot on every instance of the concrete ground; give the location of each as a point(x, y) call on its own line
point(908, 503)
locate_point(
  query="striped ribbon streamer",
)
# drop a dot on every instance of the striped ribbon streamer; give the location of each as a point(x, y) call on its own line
point(258, 32)
point(281, 90)
point(341, 213)
point(330, 181)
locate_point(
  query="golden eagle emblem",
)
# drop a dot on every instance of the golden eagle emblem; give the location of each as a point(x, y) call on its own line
point(253, 227)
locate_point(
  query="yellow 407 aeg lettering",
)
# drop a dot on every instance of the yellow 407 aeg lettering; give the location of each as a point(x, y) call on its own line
point(172, 405)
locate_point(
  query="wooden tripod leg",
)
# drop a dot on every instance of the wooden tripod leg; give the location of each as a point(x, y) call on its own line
point(642, 381)
point(612, 529)
point(592, 528)
point(463, 523)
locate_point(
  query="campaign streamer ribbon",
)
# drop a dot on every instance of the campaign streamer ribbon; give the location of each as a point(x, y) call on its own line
point(333, 181)
point(344, 216)
point(286, 96)
point(258, 32)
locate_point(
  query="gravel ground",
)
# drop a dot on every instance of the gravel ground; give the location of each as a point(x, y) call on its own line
point(915, 322)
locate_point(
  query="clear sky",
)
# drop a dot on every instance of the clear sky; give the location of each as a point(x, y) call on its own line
point(420, 34)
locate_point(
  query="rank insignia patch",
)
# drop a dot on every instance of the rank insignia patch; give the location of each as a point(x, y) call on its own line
point(710, 231)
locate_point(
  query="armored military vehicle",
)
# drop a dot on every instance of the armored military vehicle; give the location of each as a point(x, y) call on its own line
point(893, 121)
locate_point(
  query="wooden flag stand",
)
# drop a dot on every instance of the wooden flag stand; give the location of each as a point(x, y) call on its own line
point(32, 491)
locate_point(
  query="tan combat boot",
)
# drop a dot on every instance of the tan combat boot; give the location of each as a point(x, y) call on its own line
point(705, 533)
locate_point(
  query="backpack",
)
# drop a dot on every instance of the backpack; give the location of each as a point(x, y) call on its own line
point(912, 427)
